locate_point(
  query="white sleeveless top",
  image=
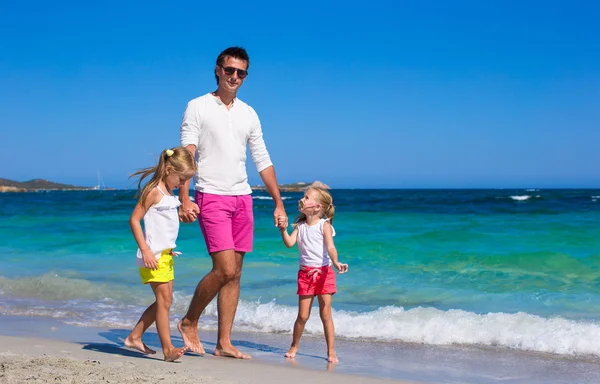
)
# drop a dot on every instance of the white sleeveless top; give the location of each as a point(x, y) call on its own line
point(161, 226)
point(311, 244)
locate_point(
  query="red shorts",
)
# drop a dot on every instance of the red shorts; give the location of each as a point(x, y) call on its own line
point(316, 281)
point(226, 221)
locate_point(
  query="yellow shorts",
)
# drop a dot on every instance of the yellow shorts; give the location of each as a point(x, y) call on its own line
point(163, 274)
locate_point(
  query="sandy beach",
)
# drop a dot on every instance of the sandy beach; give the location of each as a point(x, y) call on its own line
point(35, 360)
point(42, 350)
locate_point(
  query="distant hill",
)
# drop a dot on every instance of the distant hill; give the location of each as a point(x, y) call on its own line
point(294, 187)
point(7, 185)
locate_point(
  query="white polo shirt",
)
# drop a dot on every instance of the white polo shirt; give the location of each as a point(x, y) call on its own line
point(220, 136)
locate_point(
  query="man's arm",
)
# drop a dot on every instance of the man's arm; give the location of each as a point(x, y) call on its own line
point(264, 166)
point(189, 135)
point(188, 210)
point(270, 180)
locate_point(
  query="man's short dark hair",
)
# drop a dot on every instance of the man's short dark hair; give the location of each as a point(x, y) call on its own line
point(235, 52)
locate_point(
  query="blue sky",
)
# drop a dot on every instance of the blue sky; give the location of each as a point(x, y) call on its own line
point(399, 94)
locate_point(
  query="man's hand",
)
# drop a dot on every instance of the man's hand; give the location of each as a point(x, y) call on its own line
point(282, 222)
point(279, 215)
point(188, 211)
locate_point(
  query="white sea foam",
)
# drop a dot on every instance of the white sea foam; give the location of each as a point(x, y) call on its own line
point(260, 198)
point(269, 197)
point(87, 305)
point(432, 326)
point(521, 198)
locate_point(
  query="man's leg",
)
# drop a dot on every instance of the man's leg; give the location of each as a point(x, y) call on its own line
point(227, 305)
point(223, 271)
point(242, 231)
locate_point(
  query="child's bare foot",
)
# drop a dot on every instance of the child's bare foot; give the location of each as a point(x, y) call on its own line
point(231, 351)
point(189, 334)
point(332, 357)
point(174, 353)
point(139, 345)
point(291, 353)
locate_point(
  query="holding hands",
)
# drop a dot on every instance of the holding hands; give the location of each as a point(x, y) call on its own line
point(188, 211)
point(282, 222)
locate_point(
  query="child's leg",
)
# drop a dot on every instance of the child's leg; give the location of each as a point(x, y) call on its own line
point(134, 340)
point(164, 297)
point(304, 305)
point(325, 312)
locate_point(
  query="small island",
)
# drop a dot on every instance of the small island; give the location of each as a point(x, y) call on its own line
point(294, 187)
point(36, 185)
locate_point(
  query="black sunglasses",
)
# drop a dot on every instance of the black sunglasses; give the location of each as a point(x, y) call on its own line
point(242, 73)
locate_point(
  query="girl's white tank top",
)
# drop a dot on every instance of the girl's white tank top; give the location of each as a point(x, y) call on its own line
point(161, 226)
point(311, 244)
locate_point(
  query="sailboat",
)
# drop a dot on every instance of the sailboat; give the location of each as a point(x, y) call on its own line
point(100, 186)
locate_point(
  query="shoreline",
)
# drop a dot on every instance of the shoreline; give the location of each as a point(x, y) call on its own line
point(66, 350)
point(66, 353)
point(61, 361)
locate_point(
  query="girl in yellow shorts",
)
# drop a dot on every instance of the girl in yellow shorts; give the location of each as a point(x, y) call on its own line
point(158, 207)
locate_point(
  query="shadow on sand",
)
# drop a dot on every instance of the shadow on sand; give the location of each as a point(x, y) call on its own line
point(116, 338)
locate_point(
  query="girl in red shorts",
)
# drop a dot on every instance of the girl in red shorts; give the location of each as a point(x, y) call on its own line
point(314, 233)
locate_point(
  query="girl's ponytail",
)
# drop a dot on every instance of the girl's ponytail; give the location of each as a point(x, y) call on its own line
point(330, 213)
point(179, 158)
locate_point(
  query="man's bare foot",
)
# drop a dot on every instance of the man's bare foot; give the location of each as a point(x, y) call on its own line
point(189, 334)
point(174, 353)
point(231, 351)
point(291, 353)
point(332, 358)
point(138, 345)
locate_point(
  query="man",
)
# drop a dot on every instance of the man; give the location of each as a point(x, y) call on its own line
point(216, 128)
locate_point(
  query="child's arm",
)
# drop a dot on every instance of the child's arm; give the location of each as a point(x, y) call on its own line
point(136, 228)
point(328, 235)
point(288, 240)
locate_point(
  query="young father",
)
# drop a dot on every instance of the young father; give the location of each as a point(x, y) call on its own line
point(216, 128)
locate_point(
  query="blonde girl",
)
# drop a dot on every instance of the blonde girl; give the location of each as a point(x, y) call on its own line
point(158, 207)
point(313, 231)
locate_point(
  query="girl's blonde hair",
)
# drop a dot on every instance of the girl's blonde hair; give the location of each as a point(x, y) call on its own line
point(324, 198)
point(179, 158)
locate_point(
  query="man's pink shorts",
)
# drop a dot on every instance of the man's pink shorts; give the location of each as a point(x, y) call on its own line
point(316, 281)
point(226, 221)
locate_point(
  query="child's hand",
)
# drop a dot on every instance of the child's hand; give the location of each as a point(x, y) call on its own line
point(342, 268)
point(188, 211)
point(282, 222)
point(149, 259)
point(191, 214)
point(193, 211)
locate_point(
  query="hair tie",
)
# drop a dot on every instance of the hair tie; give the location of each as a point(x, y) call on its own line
point(169, 152)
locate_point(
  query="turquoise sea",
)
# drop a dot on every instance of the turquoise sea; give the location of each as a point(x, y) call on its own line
point(516, 269)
